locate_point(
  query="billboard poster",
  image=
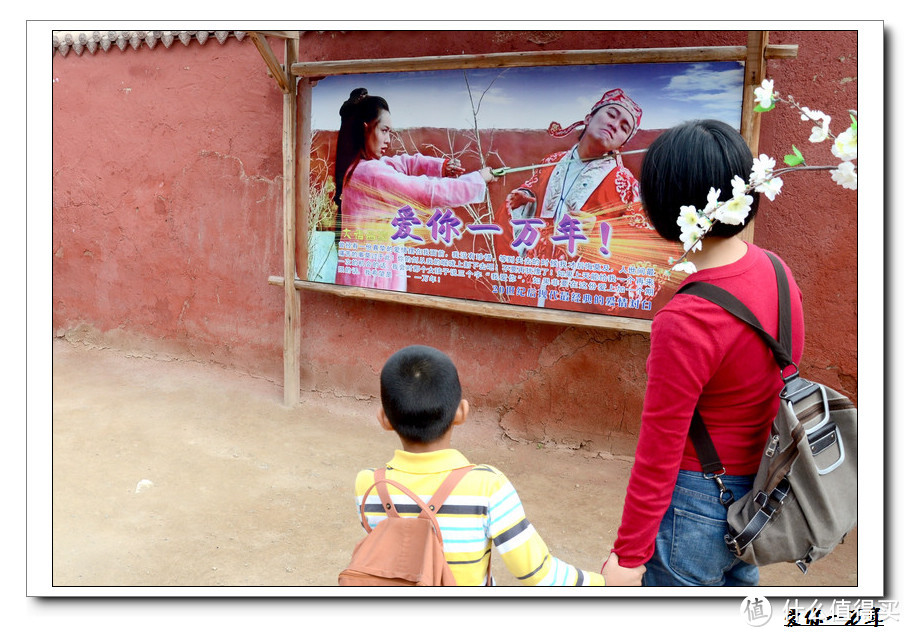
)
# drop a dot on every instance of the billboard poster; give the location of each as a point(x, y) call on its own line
point(516, 186)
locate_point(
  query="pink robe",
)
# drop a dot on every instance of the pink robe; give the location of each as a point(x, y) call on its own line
point(376, 190)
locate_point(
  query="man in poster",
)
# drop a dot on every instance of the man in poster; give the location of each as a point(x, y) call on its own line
point(571, 210)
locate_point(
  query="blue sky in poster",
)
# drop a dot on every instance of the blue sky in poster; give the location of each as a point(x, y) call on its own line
point(531, 98)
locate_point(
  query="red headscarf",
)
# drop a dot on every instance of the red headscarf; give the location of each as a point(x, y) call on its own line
point(616, 97)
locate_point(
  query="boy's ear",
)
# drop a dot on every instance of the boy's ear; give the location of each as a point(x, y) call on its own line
point(383, 420)
point(461, 414)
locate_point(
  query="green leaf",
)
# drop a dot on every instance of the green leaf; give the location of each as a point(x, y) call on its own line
point(853, 125)
point(795, 159)
point(762, 109)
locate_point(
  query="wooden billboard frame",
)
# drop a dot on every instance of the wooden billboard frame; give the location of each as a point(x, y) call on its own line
point(296, 80)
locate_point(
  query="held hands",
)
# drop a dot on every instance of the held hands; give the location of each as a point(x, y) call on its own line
point(616, 575)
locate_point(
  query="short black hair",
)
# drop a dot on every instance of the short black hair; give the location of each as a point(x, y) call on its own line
point(683, 164)
point(420, 392)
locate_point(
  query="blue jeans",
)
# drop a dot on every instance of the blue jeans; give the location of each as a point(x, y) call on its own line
point(690, 548)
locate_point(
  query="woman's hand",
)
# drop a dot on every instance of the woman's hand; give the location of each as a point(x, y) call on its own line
point(487, 174)
point(616, 575)
point(518, 198)
point(453, 168)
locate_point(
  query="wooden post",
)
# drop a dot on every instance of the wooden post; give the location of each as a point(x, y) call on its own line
point(304, 146)
point(291, 295)
point(755, 69)
point(271, 61)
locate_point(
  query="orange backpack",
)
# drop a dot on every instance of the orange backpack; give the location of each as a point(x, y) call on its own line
point(402, 551)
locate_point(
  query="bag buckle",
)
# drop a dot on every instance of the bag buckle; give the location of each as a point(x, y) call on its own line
point(769, 503)
point(822, 434)
point(733, 545)
point(726, 496)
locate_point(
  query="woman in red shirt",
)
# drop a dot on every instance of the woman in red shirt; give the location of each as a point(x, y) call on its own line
point(673, 522)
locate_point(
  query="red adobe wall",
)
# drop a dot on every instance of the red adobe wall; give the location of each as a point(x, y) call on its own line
point(167, 221)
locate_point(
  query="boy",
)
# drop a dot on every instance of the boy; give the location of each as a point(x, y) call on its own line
point(422, 403)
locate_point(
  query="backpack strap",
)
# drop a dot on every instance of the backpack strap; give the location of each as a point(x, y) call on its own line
point(379, 481)
point(443, 492)
point(447, 486)
point(427, 510)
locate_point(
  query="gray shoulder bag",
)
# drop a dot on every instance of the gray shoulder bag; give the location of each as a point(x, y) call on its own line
point(804, 498)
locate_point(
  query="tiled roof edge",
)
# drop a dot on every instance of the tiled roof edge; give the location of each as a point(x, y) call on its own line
point(104, 40)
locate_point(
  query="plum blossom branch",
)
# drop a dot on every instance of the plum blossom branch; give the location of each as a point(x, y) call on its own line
point(765, 179)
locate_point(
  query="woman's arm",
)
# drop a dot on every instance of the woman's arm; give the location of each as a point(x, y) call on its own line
point(425, 191)
point(683, 356)
point(416, 165)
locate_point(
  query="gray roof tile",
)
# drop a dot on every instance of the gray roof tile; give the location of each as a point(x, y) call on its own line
point(78, 43)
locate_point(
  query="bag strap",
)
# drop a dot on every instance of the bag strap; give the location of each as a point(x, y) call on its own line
point(781, 349)
point(426, 510)
point(447, 486)
point(704, 447)
point(380, 482)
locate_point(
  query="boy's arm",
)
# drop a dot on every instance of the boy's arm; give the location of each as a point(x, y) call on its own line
point(523, 550)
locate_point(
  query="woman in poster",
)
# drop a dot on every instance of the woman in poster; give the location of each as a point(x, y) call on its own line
point(381, 198)
point(584, 193)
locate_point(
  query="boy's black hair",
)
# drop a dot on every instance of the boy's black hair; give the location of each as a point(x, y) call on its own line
point(420, 392)
point(683, 164)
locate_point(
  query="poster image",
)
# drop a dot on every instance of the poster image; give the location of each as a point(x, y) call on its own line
point(515, 186)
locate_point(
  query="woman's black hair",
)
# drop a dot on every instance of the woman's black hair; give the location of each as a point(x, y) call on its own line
point(683, 164)
point(359, 109)
point(420, 392)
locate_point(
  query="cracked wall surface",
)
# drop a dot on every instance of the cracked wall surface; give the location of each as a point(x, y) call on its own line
point(167, 201)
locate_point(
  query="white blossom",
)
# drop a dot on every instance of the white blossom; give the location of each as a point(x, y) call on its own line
point(735, 211)
point(691, 238)
point(764, 94)
point(771, 187)
point(762, 166)
point(713, 196)
point(685, 266)
point(844, 146)
point(739, 186)
point(845, 175)
point(820, 130)
point(688, 217)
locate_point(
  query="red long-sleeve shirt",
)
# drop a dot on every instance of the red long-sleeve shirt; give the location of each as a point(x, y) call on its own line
point(702, 355)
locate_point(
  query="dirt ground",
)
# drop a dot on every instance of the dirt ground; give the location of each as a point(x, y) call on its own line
point(170, 473)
